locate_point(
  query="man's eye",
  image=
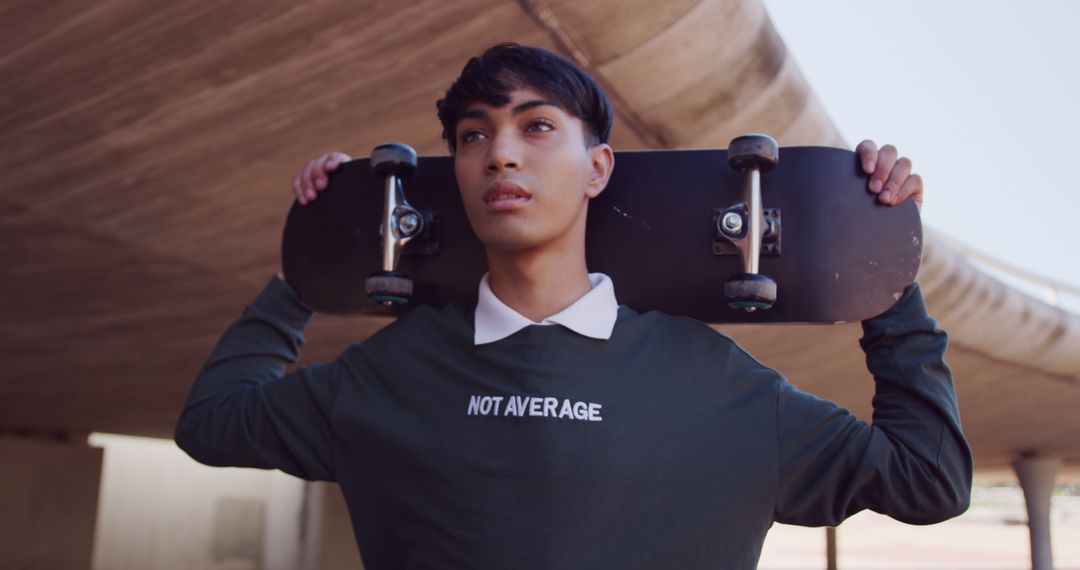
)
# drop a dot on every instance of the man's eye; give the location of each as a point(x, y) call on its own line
point(540, 125)
point(471, 135)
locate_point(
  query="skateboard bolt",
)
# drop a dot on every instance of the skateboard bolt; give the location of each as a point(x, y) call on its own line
point(732, 223)
point(408, 223)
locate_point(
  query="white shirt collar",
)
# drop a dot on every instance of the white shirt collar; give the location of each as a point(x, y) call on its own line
point(593, 315)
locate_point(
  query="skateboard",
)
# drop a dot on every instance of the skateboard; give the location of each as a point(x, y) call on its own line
point(744, 235)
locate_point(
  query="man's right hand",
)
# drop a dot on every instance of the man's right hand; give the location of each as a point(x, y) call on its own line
point(313, 178)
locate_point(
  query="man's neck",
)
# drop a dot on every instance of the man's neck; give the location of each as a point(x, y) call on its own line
point(538, 284)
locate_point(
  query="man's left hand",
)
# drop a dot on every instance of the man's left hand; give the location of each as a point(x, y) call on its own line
point(890, 177)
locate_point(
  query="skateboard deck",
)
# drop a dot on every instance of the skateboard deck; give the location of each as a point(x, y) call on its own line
point(836, 255)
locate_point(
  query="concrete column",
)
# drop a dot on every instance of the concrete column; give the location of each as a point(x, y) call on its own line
point(333, 544)
point(48, 500)
point(283, 539)
point(830, 548)
point(1036, 476)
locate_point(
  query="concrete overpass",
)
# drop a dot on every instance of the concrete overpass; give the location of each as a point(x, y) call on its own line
point(148, 152)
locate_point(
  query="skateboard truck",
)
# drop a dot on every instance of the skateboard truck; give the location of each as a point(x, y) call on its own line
point(400, 223)
point(730, 222)
point(746, 226)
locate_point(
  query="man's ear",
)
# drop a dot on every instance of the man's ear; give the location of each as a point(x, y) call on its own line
point(603, 162)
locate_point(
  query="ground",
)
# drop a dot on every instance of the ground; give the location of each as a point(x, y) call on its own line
point(992, 535)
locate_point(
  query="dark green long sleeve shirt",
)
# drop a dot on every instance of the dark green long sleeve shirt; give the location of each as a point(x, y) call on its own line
point(667, 446)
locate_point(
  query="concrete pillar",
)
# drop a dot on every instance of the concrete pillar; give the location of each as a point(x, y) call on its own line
point(334, 545)
point(48, 500)
point(284, 535)
point(830, 548)
point(1036, 476)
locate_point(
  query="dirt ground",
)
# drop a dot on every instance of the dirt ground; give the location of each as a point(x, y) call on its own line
point(991, 535)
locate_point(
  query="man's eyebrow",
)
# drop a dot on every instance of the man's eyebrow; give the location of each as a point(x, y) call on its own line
point(531, 104)
point(478, 113)
point(475, 113)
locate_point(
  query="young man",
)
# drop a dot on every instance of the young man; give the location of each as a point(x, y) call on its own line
point(546, 426)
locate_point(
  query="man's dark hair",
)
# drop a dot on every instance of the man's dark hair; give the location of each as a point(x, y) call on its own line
point(491, 76)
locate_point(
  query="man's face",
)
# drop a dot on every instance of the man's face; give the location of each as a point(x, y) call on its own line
point(525, 172)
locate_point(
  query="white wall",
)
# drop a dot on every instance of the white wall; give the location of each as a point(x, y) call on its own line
point(159, 509)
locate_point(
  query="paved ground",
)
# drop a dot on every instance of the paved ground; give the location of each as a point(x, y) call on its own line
point(992, 535)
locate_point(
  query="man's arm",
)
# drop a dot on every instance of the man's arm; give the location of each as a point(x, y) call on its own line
point(244, 411)
point(912, 464)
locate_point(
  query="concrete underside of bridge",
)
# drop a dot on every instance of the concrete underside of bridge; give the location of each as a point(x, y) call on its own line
point(149, 149)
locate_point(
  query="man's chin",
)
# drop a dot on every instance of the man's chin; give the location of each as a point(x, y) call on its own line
point(509, 240)
point(508, 244)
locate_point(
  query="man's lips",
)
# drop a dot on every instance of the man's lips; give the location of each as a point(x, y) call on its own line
point(505, 193)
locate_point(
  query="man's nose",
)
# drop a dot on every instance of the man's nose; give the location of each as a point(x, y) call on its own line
point(503, 154)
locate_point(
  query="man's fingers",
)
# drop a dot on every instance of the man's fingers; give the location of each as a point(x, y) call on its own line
point(314, 177)
point(308, 181)
point(913, 187)
point(868, 154)
point(319, 173)
point(324, 165)
point(897, 178)
point(885, 161)
point(298, 189)
point(337, 158)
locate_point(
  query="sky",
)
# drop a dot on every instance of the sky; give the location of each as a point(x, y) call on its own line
point(983, 97)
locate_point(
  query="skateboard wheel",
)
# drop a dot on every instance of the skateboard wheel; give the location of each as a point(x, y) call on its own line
point(394, 159)
point(751, 151)
point(389, 288)
point(750, 292)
